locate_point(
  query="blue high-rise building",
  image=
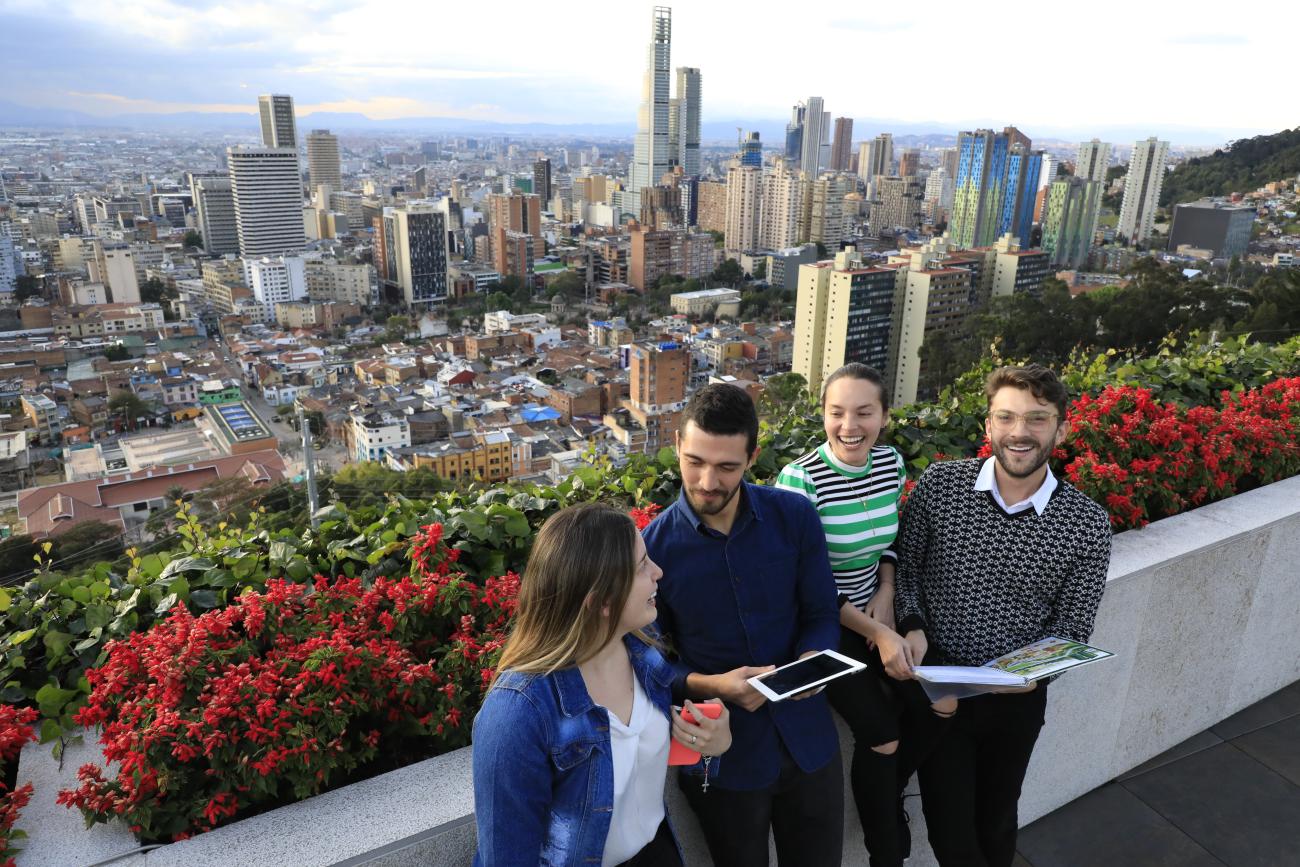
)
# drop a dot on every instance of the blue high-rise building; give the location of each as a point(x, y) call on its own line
point(751, 151)
point(997, 181)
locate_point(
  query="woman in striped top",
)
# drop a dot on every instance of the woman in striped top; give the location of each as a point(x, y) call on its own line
point(856, 487)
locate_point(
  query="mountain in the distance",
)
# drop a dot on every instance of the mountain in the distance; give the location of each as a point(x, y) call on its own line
point(1245, 165)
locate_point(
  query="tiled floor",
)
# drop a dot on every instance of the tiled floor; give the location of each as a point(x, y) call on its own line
point(1228, 796)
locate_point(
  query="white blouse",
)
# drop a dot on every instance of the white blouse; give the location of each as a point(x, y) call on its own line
point(640, 753)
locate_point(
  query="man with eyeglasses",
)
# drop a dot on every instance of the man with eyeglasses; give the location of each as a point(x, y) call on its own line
point(994, 554)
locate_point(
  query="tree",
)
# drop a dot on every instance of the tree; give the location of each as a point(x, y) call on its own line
point(760, 269)
point(26, 286)
point(498, 301)
point(88, 541)
point(128, 406)
point(570, 285)
point(397, 326)
point(117, 352)
point(193, 239)
point(16, 554)
point(729, 272)
point(153, 291)
point(781, 392)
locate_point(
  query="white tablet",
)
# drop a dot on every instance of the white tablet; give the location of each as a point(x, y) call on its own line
point(804, 674)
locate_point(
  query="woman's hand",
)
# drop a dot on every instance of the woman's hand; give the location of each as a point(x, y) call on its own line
point(895, 653)
point(880, 607)
point(709, 737)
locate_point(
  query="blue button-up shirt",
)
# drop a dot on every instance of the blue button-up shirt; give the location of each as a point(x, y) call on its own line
point(761, 595)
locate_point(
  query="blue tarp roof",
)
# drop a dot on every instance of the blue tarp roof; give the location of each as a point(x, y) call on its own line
point(533, 412)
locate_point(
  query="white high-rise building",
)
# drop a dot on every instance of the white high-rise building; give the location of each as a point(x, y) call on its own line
point(816, 133)
point(267, 191)
point(276, 280)
point(1142, 185)
point(10, 260)
point(1092, 160)
point(650, 153)
point(214, 205)
point(684, 122)
point(938, 194)
point(744, 198)
point(782, 198)
point(279, 130)
point(323, 159)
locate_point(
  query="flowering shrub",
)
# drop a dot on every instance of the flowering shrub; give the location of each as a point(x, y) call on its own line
point(288, 692)
point(15, 730)
point(1143, 459)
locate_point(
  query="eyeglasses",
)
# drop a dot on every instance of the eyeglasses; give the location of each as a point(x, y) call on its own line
point(1036, 420)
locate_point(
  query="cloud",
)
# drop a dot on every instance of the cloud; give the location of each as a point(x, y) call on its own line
point(862, 25)
point(1208, 39)
point(95, 103)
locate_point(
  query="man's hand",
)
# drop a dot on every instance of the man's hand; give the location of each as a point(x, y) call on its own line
point(895, 653)
point(916, 641)
point(811, 692)
point(881, 606)
point(731, 686)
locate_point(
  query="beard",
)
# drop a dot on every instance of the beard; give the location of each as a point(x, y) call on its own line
point(1024, 464)
point(725, 498)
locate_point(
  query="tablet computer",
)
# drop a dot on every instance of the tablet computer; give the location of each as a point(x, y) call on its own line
point(804, 674)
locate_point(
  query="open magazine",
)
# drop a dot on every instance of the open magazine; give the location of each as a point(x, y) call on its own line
point(1043, 658)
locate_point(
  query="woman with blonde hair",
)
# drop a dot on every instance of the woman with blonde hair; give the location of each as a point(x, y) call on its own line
point(571, 746)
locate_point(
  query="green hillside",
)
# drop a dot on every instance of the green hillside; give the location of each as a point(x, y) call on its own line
point(1246, 165)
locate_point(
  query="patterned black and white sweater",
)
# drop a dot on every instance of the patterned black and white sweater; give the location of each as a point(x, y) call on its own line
point(981, 582)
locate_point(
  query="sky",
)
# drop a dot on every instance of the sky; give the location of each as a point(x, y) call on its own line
point(1046, 68)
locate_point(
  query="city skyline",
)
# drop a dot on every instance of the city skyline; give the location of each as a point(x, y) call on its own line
point(212, 59)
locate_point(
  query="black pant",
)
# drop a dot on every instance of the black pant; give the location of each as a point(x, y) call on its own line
point(805, 812)
point(659, 852)
point(970, 785)
point(879, 710)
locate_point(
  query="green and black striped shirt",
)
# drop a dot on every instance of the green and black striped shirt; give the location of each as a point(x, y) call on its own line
point(859, 511)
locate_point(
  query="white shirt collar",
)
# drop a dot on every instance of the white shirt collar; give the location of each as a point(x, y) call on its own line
point(987, 481)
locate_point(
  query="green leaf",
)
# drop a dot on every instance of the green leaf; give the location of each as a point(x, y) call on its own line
point(19, 637)
point(81, 595)
point(5, 600)
point(50, 730)
point(205, 599)
point(187, 564)
point(166, 604)
point(56, 642)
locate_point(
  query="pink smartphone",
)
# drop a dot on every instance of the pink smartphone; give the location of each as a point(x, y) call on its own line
point(678, 753)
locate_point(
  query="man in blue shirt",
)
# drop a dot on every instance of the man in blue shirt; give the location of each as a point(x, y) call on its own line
point(747, 586)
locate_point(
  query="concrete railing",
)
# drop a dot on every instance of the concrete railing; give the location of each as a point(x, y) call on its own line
point(1201, 610)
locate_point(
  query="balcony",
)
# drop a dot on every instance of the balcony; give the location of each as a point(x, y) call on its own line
point(1201, 610)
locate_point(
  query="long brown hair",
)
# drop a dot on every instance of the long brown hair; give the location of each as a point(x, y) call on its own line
point(581, 564)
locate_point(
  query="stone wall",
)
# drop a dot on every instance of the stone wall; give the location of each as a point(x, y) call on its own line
point(1201, 610)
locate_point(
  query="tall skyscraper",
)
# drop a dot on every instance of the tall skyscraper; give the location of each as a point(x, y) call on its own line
point(214, 206)
point(842, 144)
point(650, 154)
point(1070, 220)
point(938, 195)
point(658, 374)
point(416, 249)
point(794, 132)
point(1142, 185)
point(897, 204)
point(909, 163)
point(542, 180)
point(743, 218)
point(279, 130)
point(781, 203)
point(815, 133)
point(1092, 160)
point(323, 160)
point(875, 160)
point(826, 214)
point(267, 193)
point(684, 122)
point(518, 214)
point(995, 188)
point(751, 150)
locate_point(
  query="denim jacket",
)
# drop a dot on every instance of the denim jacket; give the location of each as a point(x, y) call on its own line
point(543, 769)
